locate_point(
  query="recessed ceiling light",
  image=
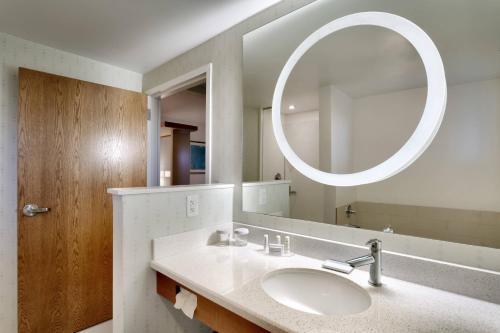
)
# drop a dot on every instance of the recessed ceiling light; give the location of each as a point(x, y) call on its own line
point(291, 107)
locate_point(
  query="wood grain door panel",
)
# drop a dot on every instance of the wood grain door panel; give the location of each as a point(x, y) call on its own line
point(75, 140)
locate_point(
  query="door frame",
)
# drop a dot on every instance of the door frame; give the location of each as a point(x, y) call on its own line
point(154, 120)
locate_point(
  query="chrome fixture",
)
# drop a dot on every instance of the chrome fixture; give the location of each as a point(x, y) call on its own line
point(266, 243)
point(286, 245)
point(374, 259)
point(349, 211)
point(32, 209)
point(388, 229)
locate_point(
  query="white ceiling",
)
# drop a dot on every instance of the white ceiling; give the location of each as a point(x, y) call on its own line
point(134, 34)
point(364, 61)
point(185, 107)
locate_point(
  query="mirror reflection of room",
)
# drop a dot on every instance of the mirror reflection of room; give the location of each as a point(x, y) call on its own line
point(351, 102)
point(182, 136)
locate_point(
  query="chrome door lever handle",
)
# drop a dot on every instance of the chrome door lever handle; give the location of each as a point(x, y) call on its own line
point(33, 209)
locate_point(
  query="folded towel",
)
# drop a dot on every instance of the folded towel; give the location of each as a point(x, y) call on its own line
point(187, 302)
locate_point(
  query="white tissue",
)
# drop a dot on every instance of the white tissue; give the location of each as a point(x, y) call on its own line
point(187, 302)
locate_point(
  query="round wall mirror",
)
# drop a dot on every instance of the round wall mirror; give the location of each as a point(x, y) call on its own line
point(328, 64)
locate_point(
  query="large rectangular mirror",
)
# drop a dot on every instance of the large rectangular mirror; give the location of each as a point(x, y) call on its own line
point(355, 98)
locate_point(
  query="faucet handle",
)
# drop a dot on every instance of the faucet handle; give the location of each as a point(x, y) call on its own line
point(374, 243)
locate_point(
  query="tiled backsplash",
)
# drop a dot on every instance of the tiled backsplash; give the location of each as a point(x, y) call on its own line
point(461, 254)
point(472, 227)
point(139, 216)
point(466, 281)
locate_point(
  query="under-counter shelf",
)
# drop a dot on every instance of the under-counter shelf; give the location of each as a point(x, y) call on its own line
point(209, 313)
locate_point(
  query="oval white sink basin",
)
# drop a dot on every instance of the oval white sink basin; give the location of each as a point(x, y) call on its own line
point(314, 291)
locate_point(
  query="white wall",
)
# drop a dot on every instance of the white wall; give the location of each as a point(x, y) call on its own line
point(301, 130)
point(269, 197)
point(336, 125)
point(335, 117)
point(342, 145)
point(225, 52)
point(251, 144)
point(273, 161)
point(14, 53)
point(460, 169)
point(341, 135)
point(137, 220)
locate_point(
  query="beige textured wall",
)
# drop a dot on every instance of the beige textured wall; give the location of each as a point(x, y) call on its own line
point(137, 220)
point(225, 53)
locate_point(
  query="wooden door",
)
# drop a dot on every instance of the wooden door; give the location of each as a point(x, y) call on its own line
point(75, 140)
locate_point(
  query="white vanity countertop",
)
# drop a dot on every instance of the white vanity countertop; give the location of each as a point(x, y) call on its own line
point(164, 189)
point(271, 182)
point(230, 276)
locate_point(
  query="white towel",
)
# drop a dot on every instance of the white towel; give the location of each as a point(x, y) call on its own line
point(187, 302)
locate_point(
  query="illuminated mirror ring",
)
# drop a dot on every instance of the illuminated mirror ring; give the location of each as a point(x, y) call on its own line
point(427, 127)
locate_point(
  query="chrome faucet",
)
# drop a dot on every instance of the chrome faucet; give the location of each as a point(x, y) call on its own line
point(349, 211)
point(374, 259)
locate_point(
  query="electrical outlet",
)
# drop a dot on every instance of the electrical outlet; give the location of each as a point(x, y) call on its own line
point(192, 205)
point(262, 196)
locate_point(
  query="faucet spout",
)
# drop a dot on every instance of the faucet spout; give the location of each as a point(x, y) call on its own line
point(361, 261)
